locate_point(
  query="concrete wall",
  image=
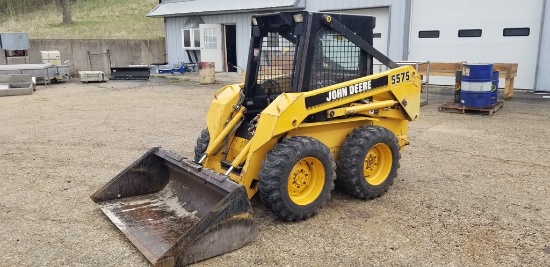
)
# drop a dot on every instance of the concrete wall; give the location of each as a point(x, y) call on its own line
point(123, 52)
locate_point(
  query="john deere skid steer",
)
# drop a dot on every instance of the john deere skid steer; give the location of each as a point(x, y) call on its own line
point(310, 115)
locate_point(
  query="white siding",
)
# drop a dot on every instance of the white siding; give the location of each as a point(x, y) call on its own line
point(242, 25)
point(397, 48)
point(491, 16)
point(174, 47)
point(382, 15)
point(543, 79)
point(531, 53)
point(398, 22)
point(173, 36)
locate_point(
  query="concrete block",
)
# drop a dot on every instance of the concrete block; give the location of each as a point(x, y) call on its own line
point(10, 78)
point(17, 60)
point(3, 92)
point(19, 91)
point(25, 85)
point(4, 86)
point(5, 78)
point(92, 76)
point(21, 78)
point(21, 84)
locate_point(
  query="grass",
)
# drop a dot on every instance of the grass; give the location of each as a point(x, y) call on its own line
point(92, 19)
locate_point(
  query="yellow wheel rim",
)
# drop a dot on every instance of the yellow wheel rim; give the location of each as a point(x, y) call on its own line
point(377, 165)
point(306, 181)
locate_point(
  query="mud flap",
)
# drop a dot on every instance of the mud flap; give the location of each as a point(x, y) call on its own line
point(175, 212)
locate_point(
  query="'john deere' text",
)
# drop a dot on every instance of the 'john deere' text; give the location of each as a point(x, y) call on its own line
point(348, 90)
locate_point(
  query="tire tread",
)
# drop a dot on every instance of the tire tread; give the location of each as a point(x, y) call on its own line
point(202, 144)
point(273, 177)
point(351, 157)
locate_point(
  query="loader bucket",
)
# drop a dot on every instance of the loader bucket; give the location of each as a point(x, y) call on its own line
point(175, 212)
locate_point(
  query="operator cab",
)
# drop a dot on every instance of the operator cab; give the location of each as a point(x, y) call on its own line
point(293, 52)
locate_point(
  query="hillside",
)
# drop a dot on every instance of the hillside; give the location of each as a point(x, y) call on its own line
point(92, 19)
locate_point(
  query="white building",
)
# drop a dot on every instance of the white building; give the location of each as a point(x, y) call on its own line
point(498, 31)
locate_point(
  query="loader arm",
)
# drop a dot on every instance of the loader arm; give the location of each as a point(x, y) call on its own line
point(289, 110)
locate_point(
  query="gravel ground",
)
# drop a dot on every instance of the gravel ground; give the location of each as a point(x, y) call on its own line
point(472, 190)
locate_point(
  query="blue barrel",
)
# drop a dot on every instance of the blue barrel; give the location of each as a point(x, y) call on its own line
point(476, 85)
point(494, 88)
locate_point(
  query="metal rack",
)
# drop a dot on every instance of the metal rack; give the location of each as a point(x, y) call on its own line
point(25, 68)
point(90, 55)
point(14, 48)
point(425, 78)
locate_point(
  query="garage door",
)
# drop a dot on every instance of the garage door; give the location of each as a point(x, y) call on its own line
point(381, 31)
point(493, 31)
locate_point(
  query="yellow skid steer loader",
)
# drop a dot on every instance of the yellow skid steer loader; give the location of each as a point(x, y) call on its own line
point(310, 115)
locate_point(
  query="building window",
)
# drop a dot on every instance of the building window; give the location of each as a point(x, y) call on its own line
point(516, 32)
point(469, 33)
point(377, 35)
point(428, 34)
point(210, 39)
point(191, 38)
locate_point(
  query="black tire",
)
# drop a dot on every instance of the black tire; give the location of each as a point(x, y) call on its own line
point(202, 144)
point(292, 154)
point(354, 152)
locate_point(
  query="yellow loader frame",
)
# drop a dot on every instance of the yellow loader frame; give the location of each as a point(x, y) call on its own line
point(392, 106)
point(308, 117)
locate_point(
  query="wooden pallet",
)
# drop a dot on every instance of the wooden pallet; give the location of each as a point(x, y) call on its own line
point(457, 108)
point(508, 71)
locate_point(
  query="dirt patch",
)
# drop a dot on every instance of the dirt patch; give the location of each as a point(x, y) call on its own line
point(471, 190)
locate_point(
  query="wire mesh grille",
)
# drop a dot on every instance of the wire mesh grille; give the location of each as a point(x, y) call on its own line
point(276, 64)
point(335, 60)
